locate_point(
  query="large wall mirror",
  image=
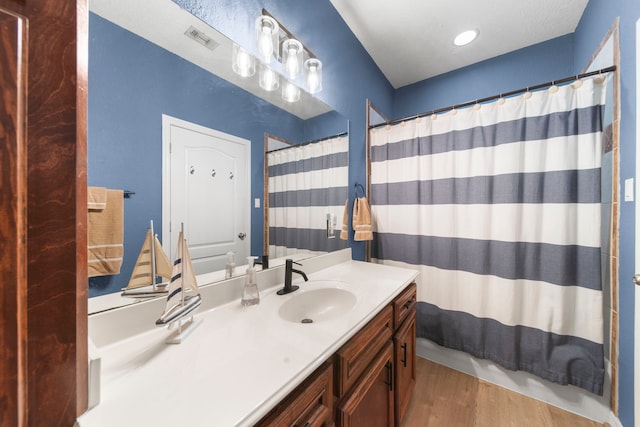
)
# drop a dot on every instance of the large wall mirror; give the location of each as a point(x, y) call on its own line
point(152, 78)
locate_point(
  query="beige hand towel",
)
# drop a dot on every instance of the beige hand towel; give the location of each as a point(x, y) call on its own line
point(97, 198)
point(362, 219)
point(344, 232)
point(106, 234)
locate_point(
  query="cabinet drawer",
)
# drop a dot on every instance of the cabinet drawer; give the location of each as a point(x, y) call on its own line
point(355, 356)
point(310, 404)
point(404, 304)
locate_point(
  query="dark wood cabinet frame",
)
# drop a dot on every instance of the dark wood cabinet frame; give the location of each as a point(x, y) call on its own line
point(43, 199)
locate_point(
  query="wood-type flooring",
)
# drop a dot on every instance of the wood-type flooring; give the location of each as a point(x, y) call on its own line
point(444, 397)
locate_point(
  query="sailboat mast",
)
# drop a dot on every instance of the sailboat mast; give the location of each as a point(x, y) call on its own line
point(184, 244)
point(153, 258)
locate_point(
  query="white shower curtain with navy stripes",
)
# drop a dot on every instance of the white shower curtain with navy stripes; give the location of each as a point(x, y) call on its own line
point(498, 207)
point(306, 184)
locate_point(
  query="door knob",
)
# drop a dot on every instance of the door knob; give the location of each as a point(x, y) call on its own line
point(241, 236)
point(636, 279)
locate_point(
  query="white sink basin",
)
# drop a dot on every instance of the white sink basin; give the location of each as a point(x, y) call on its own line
point(323, 301)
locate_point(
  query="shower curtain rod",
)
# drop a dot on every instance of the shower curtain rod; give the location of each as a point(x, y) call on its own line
point(502, 95)
point(302, 144)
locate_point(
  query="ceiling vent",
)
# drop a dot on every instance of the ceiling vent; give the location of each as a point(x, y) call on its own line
point(202, 38)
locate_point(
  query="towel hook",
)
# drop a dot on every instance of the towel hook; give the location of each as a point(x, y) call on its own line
point(360, 187)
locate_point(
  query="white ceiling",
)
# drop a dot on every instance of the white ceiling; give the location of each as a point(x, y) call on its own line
point(412, 40)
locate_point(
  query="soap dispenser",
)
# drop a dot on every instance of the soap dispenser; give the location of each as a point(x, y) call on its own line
point(250, 295)
point(230, 269)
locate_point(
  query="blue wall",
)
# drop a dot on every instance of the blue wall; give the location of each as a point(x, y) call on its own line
point(551, 60)
point(132, 82)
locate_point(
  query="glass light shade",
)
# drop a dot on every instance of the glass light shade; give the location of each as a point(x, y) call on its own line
point(267, 36)
point(290, 92)
point(313, 69)
point(292, 57)
point(243, 63)
point(269, 79)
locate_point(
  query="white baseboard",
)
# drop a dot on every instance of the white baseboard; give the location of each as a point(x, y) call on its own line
point(613, 420)
point(569, 398)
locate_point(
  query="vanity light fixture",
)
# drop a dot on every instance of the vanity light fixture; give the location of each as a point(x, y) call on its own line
point(296, 59)
point(242, 62)
point(465, 37)
point(268, 37)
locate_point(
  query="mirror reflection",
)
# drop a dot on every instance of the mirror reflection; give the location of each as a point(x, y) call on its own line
point(306, 193)
point(152, 89)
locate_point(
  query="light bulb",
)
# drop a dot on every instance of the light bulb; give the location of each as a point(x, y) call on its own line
point(290, 92)
point(293, 57)
point(313, 67)
point(265, 46)
point(269, 80)
point(292, 64)
point(267, 30)
point(243, 63)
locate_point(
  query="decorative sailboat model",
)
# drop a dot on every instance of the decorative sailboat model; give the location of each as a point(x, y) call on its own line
point(152, 262)
point(183, 297)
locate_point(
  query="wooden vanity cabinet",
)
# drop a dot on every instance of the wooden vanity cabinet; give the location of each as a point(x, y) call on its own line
point(309, 405)
point(368, 382)
point(404, 344)
point(376, 369)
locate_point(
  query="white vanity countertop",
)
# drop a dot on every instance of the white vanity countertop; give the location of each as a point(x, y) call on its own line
point(239, 363)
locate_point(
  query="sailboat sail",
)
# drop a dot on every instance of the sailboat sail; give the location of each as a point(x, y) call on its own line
point(143, 274)
point(151, 262)
point(184, 296)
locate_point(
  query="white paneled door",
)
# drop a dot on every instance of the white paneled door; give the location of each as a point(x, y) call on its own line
point(206, 188)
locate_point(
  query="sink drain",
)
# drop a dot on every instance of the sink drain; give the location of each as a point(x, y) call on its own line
point(306, 321)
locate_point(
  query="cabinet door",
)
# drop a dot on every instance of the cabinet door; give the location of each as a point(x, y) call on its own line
point(370, 403)
point(309, 405)
point(404, 343)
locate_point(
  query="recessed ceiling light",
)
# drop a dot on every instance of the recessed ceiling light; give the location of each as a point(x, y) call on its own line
point(465, 37)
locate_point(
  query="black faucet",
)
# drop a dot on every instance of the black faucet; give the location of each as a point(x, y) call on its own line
point(262, 260)
point(288, 271)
